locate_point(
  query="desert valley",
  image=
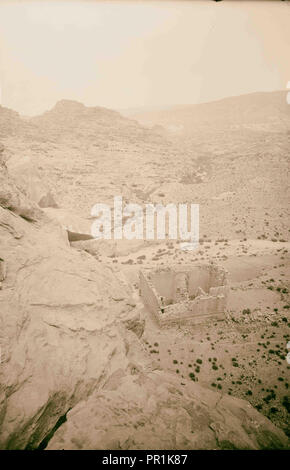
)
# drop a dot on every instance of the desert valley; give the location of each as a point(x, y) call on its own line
point(84, 363)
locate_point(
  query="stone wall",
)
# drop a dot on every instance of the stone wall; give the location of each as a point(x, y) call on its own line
point(149, 295)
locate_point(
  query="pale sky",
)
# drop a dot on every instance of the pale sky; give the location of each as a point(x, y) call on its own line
point(131, 54)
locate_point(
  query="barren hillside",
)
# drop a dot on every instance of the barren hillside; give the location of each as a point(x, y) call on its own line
point(84, 363)
point(255, 111)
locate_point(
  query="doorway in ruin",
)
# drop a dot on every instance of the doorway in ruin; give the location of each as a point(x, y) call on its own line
point(181, 287)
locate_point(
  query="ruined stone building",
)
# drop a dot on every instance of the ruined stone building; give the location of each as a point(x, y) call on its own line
point(185, 294)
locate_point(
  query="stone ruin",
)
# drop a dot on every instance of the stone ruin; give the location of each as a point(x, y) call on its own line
point(185, 294)
point(2, 271)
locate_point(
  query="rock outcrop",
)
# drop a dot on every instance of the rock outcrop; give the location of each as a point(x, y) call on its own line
point(12, 198)
point(26, 177)
point(154, 411)
point(58, 332)
point(77, 228)
point(10, 122)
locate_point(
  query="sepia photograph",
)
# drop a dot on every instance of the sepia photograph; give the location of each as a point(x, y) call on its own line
point(144, 228)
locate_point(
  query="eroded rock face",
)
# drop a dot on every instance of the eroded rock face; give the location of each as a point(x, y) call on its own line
point(24, 172)
point(10, 122)
point(2, 271)
point(153, 411)
point(77, 228)
point(12, 198)
point(58, 334)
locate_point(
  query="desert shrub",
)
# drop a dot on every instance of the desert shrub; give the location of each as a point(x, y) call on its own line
point(286, 403)
point(246, 311)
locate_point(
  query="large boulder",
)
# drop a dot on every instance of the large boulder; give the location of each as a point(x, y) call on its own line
point(57, 322)
point(24, 172)
point(58, 333)
point(12, 197)
point(10, 122)
point(77, 228)
point(154, 411)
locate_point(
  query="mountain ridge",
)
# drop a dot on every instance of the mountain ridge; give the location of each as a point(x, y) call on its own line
point(270, 108)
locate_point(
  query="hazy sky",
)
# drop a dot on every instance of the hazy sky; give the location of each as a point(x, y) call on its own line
point(130, 54)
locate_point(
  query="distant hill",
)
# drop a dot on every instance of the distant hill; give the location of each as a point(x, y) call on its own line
point(70, 113)
point(71, 120)
point(75, 120)
point(256, 111)
point(10, 122)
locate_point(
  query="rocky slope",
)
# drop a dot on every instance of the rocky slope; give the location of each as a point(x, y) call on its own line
point(72, 120)
point(68, 334)
point(153, 411)
point(255, 111)
point(71, 325)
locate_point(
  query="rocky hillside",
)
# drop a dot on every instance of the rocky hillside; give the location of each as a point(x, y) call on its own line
point(10, 122)
point(70, 350)
point(73, 120)
point(256, 111)
point(73, 353)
